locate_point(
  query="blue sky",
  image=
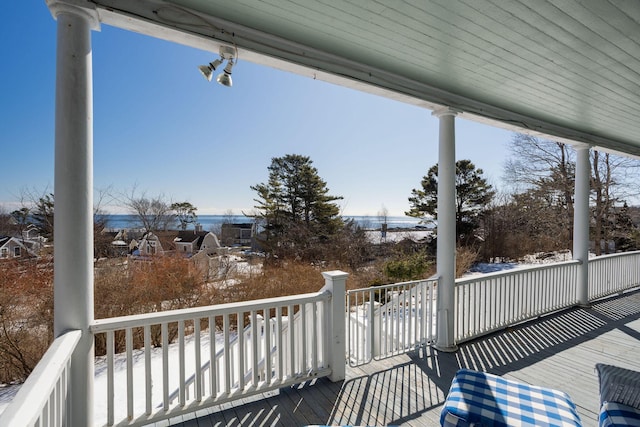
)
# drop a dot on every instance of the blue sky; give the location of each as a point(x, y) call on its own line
point(163, 129)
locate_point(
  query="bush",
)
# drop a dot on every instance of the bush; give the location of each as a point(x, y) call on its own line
point(26, 316)
point(288, 278)
point(137, 287)
point(465, 258)
point(412, 267)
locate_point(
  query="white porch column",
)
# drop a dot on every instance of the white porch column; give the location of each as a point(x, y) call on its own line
point(73, 193)
point(446, 252)
point(581, 222)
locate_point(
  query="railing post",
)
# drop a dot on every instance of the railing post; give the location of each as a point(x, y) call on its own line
point(73, 192)
point(581, 223)
point(335, 282)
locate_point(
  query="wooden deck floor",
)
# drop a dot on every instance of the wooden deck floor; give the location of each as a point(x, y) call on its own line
point(558, 351)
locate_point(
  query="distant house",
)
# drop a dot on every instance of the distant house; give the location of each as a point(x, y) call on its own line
point(119, 245)
point(193, 241)
point(123, 242)
point(12, 248)
point(188, 242)
point(149, 245)
point(236, 234)
point(32, 232)
point(32, 239)
point(210, 244)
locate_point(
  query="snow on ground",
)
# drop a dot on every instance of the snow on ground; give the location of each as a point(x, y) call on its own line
point(239, 264)
point(398, 235)
point(120, 377)
point(7, 393)
point(526, 261)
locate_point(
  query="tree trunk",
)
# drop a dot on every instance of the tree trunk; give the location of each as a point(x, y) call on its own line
point(596, 185)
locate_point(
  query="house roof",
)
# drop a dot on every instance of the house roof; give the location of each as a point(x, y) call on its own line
point(164, 237)
point(190, 236)
point(568, 69)
point(238, 225)
point(4, 240)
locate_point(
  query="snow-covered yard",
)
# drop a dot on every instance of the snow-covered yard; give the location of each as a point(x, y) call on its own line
point(526, 261)
point(120, 377)
point(398, 235)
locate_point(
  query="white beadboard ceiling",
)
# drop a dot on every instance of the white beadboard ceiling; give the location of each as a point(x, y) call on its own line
point(566, 68)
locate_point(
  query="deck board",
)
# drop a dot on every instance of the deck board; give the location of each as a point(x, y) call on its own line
point(558, 351)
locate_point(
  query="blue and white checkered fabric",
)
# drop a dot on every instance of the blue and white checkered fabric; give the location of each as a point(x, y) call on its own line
point(480, 399)
point(614, 414)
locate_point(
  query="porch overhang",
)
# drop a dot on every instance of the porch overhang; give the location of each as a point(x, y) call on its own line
point(569, 70)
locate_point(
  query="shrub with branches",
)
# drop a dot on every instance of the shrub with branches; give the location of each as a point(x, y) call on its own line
point(410, 267)
point(26, 316)
point(137, 287)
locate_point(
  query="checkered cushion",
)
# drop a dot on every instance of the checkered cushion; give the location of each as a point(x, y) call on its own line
point(614, 414)
point(480, 399)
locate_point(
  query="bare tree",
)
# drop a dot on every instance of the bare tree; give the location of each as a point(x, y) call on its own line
point(227, 218)
point(37, 209)
point(8, 223)
point(544, 166)
point(101, 240)
point(612, 183)
point(542, 172)
point(154, 213)
point(383, 215)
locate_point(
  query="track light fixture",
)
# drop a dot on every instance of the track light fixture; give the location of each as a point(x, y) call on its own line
point(224, 78)
point(227, 53)
point(207, 70)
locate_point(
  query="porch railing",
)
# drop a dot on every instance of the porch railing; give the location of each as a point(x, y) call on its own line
point(210, 364)
point(43, 398)
point(191, 384)
point(613, 273)
point(383, 321)
point(496, 300)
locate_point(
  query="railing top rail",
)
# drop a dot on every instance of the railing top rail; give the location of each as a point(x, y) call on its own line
point(115, 323)
point(616, 255)
point(28, 403)
point(515, 271)
point(390, 285)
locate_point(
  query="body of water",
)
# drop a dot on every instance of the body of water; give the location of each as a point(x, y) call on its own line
point(213, 222)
